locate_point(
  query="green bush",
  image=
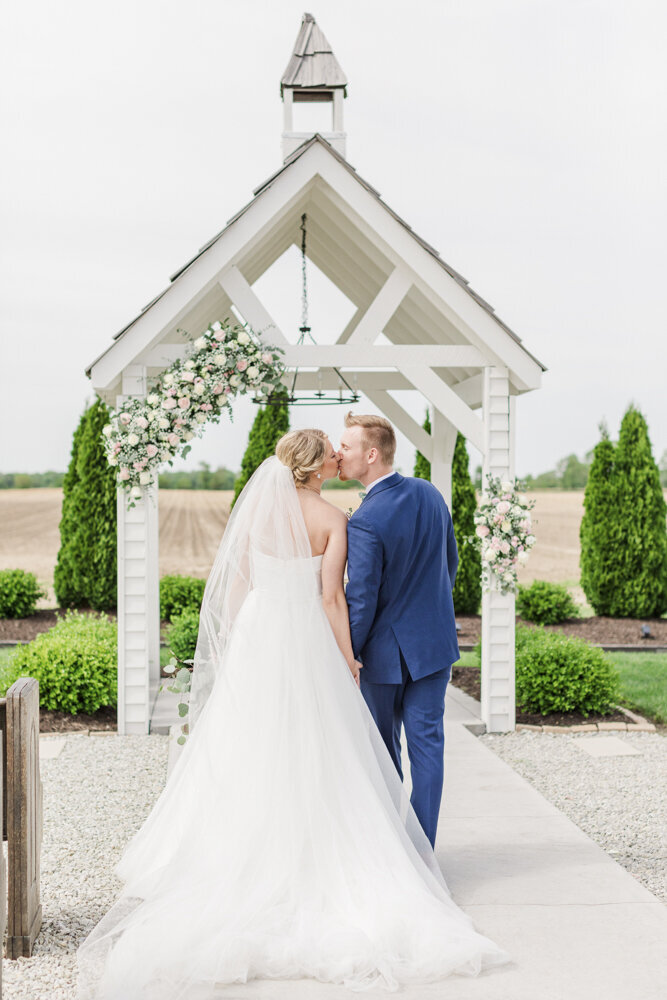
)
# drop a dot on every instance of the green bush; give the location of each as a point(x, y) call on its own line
point(19, 593)
point(182, 634)
point(558, 673)
point(179, 594)
point(546, 603)
point(75, 663)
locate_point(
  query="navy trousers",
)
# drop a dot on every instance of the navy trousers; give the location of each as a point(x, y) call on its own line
point(419, 706)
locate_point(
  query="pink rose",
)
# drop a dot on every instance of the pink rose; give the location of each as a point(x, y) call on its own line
point(206, 406)
point(229, 391)
point(116, 448)
point(217, 389)
point(138, 466)
point(169, 403)
point(481, 531)
point(173, 439)
point(184, 402)
point(125, 418)
point(495, 544)
point(503, 507)
point(219, 335)
point(267, 358)
point(151, 450)
point(505, 547)
point(241, 365)
point(208, 368)
point(124, 474)
point(143, 423)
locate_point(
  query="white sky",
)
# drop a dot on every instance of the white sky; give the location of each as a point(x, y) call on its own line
point(525, 139)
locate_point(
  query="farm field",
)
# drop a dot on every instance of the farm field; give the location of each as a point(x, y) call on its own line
point(192, 523)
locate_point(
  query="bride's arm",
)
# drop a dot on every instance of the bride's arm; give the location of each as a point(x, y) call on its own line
point(333, 593)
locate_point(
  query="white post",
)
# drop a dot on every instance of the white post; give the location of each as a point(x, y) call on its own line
point(138, 594)
point(337, 110)
point(443, 433)
point(498, 677)
point(288, 93)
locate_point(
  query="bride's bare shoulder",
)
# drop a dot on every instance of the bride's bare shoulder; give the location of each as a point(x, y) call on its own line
point(334, 513)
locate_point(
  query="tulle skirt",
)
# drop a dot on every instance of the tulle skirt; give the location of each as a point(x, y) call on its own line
point(283, 845)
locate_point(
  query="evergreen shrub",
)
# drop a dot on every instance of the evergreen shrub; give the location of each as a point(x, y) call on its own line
point(19, 593)
point(559, 673)
point(179, 594)
point(75, 663)
point(546, 603)
point(268, 427)
point(182, 634)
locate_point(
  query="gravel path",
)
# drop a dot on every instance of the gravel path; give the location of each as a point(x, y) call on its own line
point(97, 793)
point(620, 802)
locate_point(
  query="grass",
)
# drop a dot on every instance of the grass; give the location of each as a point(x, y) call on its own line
point(643, 683)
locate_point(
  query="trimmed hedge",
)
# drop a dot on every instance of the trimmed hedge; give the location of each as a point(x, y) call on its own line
point(75, 663)
point(179, 594)
point(182, 634)
point(546, 603)
point(558, 673)
point(19, 593)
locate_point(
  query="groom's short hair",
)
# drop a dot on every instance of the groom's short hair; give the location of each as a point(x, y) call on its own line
point(378, 433)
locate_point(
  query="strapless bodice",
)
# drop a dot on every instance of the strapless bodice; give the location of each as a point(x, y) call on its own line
point(287, 578)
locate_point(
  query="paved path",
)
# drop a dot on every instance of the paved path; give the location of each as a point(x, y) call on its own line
point(576, 924)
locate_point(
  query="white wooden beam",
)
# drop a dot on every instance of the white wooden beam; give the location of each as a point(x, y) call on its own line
point(393, 411)
point(443, 435)
point(445, 399)
point(470, 390)
point(383, 307)
point(250, 307)
point(371, 356)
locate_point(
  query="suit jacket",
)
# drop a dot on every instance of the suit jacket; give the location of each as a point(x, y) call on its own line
point(402, 561)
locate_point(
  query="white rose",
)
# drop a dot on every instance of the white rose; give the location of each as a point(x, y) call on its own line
point(201, 418)
point(219, 359)
point(189, 365)
point(135, 492)
point(144, 478)
point(506, 526)
point(107, 430)
point(508, 577)
point(132, 439)
point(523, 499)
point(506, 486)
point(491, 555)
point(530, 540)
point(187, 376)
point(200, 342)
point(523, 557)
point(516, 511)
point(165, 456)
point(152, 400)
point(234, 381)
point(163, 423)
point(252, 372)
point(168, 378)
point(188, 436)
point(243, 337)
point(113, 460)
point(200, 388)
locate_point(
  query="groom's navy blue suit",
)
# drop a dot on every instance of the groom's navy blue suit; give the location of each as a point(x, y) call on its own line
point(402, 561)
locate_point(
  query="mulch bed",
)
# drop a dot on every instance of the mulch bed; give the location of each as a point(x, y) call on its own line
point(599, 630)
point(64, 722)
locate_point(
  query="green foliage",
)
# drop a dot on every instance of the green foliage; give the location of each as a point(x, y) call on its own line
point(342, 484)
point(30, 480)
point(182, 634)
point(268, 427)
point(85, 573)
point(624, 532)
point(203, 478)
point(643, 683)
point(468, 586)
point(558, 673)
point(179, 594)
point(546, 603)
point(422, 465)
point(570, 474)
point(19, 593)
point(75, 663)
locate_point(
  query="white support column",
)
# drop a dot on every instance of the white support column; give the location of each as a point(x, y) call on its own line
point(498, 677)
point(443, 435)
point(138, 594)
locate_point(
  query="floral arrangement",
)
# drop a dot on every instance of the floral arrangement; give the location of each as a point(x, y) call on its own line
point(226, 361)
point(181, 683)
point(504, 526)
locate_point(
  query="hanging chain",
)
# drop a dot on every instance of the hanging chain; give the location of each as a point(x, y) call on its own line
point(304, 328)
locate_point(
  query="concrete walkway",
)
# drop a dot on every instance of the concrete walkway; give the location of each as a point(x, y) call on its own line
point(576, 924)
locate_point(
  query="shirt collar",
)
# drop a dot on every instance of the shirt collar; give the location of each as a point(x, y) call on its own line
point(380, 480)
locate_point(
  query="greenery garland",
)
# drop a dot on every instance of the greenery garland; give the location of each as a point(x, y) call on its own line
point(226, 361)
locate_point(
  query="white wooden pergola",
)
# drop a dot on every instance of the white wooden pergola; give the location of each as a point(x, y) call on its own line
point(439, 337)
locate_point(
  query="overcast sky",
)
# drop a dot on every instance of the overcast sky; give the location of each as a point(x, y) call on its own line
point(525, 139)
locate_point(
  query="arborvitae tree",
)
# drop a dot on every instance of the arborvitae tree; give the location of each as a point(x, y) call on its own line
point(468, 585)
point(422, 465)
point(268, 427)
point(623, 531)
point(85, 573)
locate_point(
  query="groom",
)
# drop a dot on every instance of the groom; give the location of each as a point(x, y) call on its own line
point(402, 560)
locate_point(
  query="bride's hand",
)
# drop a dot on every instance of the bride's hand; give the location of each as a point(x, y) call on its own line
point(355, 667)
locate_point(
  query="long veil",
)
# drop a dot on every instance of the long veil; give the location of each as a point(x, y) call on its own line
point(267, 519)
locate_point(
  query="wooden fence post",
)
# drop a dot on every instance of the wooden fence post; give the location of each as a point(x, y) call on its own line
point(24, 816)
point(3, 872)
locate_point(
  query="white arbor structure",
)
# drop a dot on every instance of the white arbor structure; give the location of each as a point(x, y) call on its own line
point(439, 337)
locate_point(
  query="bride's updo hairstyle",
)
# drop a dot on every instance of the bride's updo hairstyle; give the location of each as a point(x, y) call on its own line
point(303, 452)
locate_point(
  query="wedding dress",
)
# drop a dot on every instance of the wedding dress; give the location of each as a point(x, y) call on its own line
point(283, 844)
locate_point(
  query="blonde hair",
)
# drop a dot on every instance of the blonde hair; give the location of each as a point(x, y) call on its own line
point(378, 433)
point(303, 452)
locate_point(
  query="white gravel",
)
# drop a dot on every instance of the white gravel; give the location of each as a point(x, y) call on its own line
point(620, 802)
point(97, 793)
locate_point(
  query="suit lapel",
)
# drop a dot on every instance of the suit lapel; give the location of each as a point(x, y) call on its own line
point(386, 484)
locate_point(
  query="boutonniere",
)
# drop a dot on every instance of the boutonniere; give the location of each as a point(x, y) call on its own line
point(348, 513)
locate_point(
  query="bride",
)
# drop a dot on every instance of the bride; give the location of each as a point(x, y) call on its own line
point(283, 845)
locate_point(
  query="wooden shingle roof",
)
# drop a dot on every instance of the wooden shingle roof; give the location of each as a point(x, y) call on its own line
point(312, 65)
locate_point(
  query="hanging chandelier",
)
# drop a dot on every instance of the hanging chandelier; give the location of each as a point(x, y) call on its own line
point(345, 394)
